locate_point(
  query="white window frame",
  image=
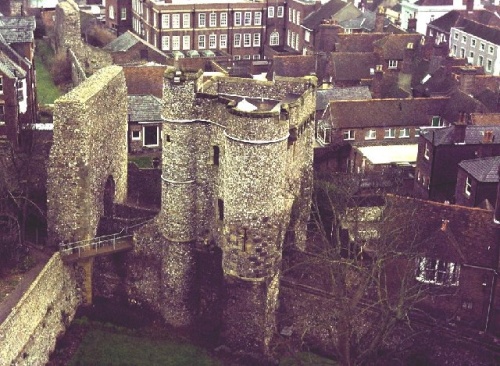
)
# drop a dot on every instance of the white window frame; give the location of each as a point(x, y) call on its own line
point(165, 43)
point(123, 14)
point(480, 60)
point(237, 19)
point(247, 40)
point(213, 19)
point(257, 18)
point(294, 16)
point(201, 42)
point(176, 21)
point(202, 20)
point(437, 272)
point(157, 136)
point(165, 20)
point(2, 114)
point(437, 121)
point(186, 20)
point(270, 11)
point(212, 41)
point(256, 40)
point(489, 65)
point(274, 39)
point(473, 42)
point(186, 42)
point(176, 43)
point(237, 40)
point(349, 135)
point(390, 133)
point(371, 134)
point(223, 41)
point(404, 133)
point(1, 84)
point(307, 36)
point(223, 19)
point(491, 50)
point(426, 151)
point(111, 12)
point(393, 64)
point(482, 46)
point(280, 12)
point(248, 18)
point(136, 138)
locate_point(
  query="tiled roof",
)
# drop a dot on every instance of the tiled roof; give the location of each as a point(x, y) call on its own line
point(358, 42)
point(471, 232)
point(326, 11)
point(294, 66)
point(123, 42)
point(490, 34)
point(365, 21)
point(473, 135)
point(393, 46)
point(482, 169)
point(485, 119)
point(385, 112)
point(324, 96)
point(144, 108)
point(17, 29)
point(352, 66)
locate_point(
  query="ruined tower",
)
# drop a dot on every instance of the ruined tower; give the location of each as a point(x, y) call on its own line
point(232, 170)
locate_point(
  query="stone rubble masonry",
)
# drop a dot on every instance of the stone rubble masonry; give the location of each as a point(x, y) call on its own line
point(243, 200)
point(68, 36)
point(29, 334)
point(90, 145)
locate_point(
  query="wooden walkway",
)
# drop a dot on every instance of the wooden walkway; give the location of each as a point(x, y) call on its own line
point(104, 245)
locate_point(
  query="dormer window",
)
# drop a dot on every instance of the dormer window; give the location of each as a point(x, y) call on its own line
point(437, 121)
point(393, 64)
point(468, 187)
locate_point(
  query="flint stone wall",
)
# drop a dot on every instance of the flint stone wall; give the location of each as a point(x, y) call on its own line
point(29, 334)
point(90, 145)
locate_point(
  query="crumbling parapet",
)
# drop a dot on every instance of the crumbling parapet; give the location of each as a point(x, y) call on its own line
point(89, 151)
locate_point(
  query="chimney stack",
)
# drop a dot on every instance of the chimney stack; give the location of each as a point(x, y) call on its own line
point(467, 79)
point(379, 20)
point(459, 130)
point(377, 82)
point(470, 5)
point(412, 25)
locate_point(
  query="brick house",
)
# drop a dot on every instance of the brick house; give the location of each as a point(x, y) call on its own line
point(441, 150)
point(17, 77)
point(477, 182)
point(144, 123)
point(119, 15)
point(454, 265)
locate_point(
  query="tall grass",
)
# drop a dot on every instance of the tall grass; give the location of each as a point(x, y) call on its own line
point(47, 92)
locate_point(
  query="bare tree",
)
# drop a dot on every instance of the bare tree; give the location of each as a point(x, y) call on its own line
point(362, 251)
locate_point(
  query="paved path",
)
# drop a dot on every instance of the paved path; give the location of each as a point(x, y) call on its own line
point(13, 298)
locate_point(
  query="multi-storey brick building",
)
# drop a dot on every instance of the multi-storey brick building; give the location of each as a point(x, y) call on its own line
point(244, 29)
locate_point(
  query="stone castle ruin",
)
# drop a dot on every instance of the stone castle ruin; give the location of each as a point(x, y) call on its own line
point(88, 161)
point(236, 181)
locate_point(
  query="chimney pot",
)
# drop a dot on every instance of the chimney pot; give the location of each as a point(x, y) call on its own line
point(444, 224)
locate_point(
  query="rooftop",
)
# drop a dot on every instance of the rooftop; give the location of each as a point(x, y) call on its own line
point(17, 29)
point(482, 169)
point(390, 154)
point(446, 136)
point(144, 108)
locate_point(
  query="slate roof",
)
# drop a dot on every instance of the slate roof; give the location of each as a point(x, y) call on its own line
point(482, 169)
point(473, 135)
point(488, 33)
point(365, 21)
point(385, 112)
point(393, 46)
point(328, 11)
point(144, 108)
point(352, 66)
point(17, 29)
point(123, 43)
point(10, 68)
point(454, 18)
point(434, 2)
point(324, 96)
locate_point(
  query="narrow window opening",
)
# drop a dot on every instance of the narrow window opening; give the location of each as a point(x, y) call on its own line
point(220, 204)
point(216, 155)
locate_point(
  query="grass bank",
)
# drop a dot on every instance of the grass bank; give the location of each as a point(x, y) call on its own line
point(47, 92)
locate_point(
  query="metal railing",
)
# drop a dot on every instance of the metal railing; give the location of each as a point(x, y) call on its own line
point(94, 244)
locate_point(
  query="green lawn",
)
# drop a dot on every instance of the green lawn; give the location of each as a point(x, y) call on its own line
point(100, 347)
point(142, 161)
point(47, 91)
